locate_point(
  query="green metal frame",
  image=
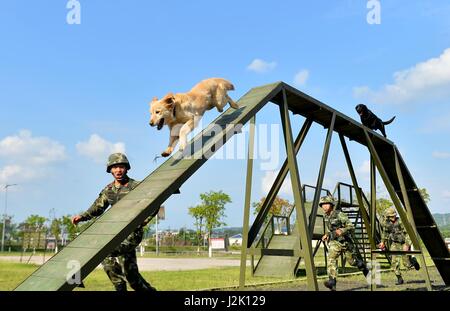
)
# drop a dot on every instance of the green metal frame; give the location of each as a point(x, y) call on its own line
point(363, 211)
point(248, 195)
point(323, 166)
point(407, 223)
point(417, 246)
point(103, 236)
point(302, 227)
point(276, 186)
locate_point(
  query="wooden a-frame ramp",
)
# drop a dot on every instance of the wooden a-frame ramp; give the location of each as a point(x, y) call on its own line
point(110, 229)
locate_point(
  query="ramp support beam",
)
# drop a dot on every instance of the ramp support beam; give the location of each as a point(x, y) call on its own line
point(302, 227)
point(248, 196)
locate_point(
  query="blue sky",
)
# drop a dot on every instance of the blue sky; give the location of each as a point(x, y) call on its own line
point(70, 94)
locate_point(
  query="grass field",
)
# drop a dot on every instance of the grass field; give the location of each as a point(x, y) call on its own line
point(11, 274)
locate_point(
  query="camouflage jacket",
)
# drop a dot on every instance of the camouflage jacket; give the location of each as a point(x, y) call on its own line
point(109, 196)
point(393, 232)
point(338, 220)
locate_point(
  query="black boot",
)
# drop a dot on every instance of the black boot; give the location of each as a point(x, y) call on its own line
point(331, 284)
point(399, 280)
point(142, 286)
point(414, 263)
point(121, 287)
point(365, 271)
point(362, 267)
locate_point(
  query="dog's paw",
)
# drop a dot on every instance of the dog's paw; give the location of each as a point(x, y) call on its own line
point(167, 152)
point(234, 105)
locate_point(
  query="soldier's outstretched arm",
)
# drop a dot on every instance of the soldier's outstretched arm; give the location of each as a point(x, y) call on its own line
point(97, 208)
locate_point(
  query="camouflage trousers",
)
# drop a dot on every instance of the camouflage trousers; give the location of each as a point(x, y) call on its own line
point(396, 258)
point(121, 265)
point(335, 249)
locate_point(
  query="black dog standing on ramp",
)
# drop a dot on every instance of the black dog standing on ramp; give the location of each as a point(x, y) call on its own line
point(369, 119)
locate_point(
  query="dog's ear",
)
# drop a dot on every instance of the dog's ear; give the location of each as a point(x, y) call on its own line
point(169, 100)
point(153, 100)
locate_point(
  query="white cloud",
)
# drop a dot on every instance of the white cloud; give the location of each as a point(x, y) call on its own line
point(28, 157)
point(98, 149)
point(268, 180)
point(441, 155)
point(18, 174)
point(261, 66)
point(36, 150)
point(428, 80)
point(301, 77)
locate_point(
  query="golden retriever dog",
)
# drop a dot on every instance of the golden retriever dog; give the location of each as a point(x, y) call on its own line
point(181, 112)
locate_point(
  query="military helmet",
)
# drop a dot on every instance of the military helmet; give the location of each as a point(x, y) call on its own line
point(390, 212)
point(327, 199)
point(117, 158)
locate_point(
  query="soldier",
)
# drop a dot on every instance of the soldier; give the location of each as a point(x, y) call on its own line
point(121, 264)
point(340, 240)
point(395, 234)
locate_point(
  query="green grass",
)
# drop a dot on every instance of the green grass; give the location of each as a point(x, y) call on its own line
point(11, 274)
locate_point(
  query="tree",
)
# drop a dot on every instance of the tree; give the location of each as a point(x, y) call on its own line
point(67, 228)
point(210, 212)
point(199, 213)
point(214, 208)
point(55, 229)
point(36, 222)
point(280, 207)
point(425, 195)
point(382, 205)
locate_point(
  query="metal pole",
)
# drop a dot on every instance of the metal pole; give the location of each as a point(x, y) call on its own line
point(373, 197)
point(411, 219)
point(4, 215)
point(304, 242)
point(362, 209)
point(323, 165)
point(248, 194)
point(156, 236)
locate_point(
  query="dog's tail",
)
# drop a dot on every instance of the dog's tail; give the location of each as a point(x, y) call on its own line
point(389, 121)
point(225, 84)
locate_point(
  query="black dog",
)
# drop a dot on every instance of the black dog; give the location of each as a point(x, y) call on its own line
point(369, 119)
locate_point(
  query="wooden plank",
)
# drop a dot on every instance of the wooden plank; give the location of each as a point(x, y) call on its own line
point(37, 283)
point(106, 227)
point(85, 240)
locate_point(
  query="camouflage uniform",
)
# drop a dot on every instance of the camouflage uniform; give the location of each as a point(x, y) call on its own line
point(342, 244)
point(338, 245)
point(121, 264)
point(395, 234)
